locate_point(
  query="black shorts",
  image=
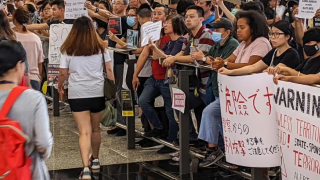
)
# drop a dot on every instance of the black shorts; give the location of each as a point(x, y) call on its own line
point(94, 105)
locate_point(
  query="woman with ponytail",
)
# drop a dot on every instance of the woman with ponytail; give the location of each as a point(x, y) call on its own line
point(32, 44)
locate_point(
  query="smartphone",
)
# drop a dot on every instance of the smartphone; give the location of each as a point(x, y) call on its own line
point(193, 49)
point(161, 60)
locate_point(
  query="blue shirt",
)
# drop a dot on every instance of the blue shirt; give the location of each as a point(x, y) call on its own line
point(209, 20)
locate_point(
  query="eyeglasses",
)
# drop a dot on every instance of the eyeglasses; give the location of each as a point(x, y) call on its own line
point(117, 4)
point(274, 34)
point(167, 23)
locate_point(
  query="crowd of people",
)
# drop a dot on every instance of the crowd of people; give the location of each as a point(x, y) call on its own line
point(233, 39)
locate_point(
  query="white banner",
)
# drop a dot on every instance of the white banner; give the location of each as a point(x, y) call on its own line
point(297, 113)
point(247, 109)
point(58, 33)
point(178, 99)
point(151, 31)
point(75, 9)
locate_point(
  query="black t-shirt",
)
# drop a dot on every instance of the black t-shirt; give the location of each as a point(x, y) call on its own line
point(270, 13)
point(289, 58)
point(56, 21)
point(118, 57)
point(311, 66)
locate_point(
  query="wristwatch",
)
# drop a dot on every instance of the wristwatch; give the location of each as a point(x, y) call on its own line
point(204, 59)
point(225, 64)
point(97, 10)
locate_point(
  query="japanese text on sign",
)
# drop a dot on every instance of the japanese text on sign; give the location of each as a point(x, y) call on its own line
point(75, 9)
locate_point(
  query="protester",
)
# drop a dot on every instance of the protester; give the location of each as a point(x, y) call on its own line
point(311, 65)
point(85, 96)
point(19, 3)
point(281, 55)
point(155, 85)
point(173, 7)
point(183, 5)
point(32, 44)
point(208, 8)
point(271, 13)
point(224, 47)
point(33, 116)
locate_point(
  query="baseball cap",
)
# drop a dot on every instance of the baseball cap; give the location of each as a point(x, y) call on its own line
point(221, 23)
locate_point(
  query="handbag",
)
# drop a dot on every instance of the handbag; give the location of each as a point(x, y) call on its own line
point(110, 88)
point(109, 116)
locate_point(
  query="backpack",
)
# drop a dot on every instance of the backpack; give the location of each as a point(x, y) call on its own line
point(14, 163)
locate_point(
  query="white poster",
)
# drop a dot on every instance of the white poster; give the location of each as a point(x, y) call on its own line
point(297, 110)
point(247, 109)
point(75, 9)
point(151, 31)
point(58, 33)
point(178, 99)
point(308, 8)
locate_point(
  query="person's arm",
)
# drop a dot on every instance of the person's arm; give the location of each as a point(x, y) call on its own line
point(307, 79)
point(43, 137)
point(102, 12)
point(299, 29)
point(226, 11)
point(109, 71)
point(216, 11)
point(138, 51)
point(140, 64)
point(254, 68)
point(63, 73)
point(40, 70)
point(252, 60)
point(43, 26)
point(27, 79)
point(98, 16)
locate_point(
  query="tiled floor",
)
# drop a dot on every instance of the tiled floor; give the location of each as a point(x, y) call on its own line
point(117, 162)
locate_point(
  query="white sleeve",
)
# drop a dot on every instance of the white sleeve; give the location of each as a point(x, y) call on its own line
point(64, 61)
point(107, 56)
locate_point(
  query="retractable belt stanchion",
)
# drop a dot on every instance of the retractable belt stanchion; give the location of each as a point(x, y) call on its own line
point(184, 126)
point(55, 96)
point(257, 173)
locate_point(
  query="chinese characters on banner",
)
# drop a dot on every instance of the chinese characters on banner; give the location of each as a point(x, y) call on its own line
point(178, 99)
point(297, 110)
point(58, 33)
point(247, 110)
point(75, 9)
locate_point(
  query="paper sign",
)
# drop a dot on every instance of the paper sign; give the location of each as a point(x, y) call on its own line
point(58, 34)
point(297, 110)
point(132, 38)
point(127, 106)
point(151, 31)
point(75, 9)
point(114, 25)
point(316, 22)
point(179, 100)
point(250, 133)
point(308, 8)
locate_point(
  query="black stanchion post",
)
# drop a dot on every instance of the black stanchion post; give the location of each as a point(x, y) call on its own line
point(184, 126)
point(55, 97)
point(128, 112)
point(258, 173)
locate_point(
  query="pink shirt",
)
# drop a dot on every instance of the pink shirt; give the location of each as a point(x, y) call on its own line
point(33, 46)
point(259, 47)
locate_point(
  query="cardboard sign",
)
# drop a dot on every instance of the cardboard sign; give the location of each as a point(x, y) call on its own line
point(250, 133)
point(308, 8)
point(297, 110)
point(127, 105)
point(58, 34)
point(316, 22)
point(114, 25)
point(132, 38)
point(75, 9)
point(151, 31)
point(179, 100)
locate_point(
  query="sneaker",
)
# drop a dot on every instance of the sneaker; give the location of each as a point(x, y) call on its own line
point(113, 131)
point(66, 109)
point(212, 158)
point(149, 145)
point(50, 106)
point(94, 164)
point(85, 173)
point(165, 150)
point(121, 132)
point(176, 158)
point(153, 133)
point(175, 154)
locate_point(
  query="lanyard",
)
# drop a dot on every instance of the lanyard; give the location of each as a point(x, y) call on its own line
point(6, 82)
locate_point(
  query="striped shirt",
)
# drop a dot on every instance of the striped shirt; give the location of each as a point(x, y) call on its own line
point(202, 40)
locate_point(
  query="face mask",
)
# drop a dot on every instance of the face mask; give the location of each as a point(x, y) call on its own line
point(234, 11)
point(95, 25)
point(310, 50)
point(131, 21)
point(216, 36)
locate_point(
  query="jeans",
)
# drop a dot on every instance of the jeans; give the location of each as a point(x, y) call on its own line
point(152, 89)
point(211, 123)
point(35, 85)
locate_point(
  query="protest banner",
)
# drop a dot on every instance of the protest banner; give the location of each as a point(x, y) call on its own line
point(308, 8)
point(247, 110)
point(58, 34)
point(178, 99)
point(151, 31)
point(115, 26)
point(297, 110)
point(75, 9)
point(316, 22)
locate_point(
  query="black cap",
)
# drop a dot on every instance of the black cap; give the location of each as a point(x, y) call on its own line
point(221, 23)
